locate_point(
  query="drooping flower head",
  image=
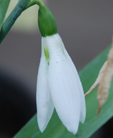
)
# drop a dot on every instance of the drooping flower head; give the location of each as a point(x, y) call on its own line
point(58, 83)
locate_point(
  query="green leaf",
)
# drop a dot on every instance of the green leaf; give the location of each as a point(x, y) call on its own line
point(3, 9)
point(55, 129)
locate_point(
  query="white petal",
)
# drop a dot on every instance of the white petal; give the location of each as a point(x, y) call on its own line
point(44, 102)
point(82, 99)
point(83, 105)
point(65, 93)
point(63, 84)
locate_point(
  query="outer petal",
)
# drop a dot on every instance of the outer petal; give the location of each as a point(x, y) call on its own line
point(65, 94)
point(82, 96)
point(70, 62)
point(44, 102)
point(63, 85)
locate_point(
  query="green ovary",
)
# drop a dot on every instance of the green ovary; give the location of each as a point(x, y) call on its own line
point(46, 52)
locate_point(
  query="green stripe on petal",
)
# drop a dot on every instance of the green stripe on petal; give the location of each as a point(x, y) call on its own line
point(46, 52)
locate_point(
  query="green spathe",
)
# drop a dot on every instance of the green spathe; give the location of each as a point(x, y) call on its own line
point(46, 20)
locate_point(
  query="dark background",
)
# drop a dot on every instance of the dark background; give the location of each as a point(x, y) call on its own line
point(86, 27)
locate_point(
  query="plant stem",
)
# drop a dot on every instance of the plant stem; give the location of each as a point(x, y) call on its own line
point(31, 3)
point(3, 9)
point(19, 8)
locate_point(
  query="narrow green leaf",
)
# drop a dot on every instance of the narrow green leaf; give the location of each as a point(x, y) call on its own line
point(3, 9)
point(55, 129)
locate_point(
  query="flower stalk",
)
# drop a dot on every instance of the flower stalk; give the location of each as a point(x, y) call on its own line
point(19, 8)
point(3, 9)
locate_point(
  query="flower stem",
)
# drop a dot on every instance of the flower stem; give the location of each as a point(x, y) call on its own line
point(3, 9)
point(31, 3)
point(19, 8)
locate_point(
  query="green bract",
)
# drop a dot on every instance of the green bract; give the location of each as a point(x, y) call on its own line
point(46, 21)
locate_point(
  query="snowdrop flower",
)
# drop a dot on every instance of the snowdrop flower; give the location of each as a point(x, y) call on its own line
point(58, 83)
